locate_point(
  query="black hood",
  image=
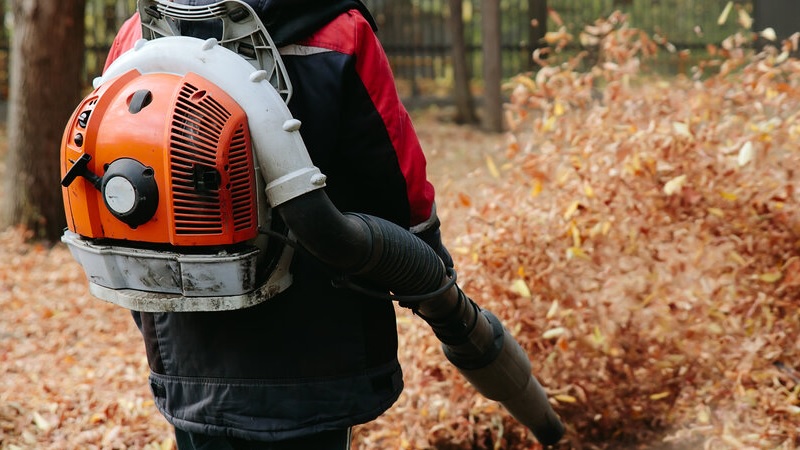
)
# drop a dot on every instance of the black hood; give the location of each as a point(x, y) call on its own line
point(287, 21)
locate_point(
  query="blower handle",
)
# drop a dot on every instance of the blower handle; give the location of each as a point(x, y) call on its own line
point(80, 169)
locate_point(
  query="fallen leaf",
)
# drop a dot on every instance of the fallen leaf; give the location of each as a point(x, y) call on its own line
point(554, 333)
point(682, 129)
point(660, 395)
point(770, 277)
point(746, 154)
point(520, 287)
point(744, 19)
point(40, 422)
point(564, 398)
point(490, 164)
point(675, 185)
point(723, 17)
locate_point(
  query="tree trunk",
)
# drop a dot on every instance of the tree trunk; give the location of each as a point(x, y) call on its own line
point(465, 109)
point(4, 61)
point(47, 49)
point(492, 69)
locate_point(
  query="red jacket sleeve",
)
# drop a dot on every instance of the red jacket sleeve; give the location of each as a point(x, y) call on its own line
point(128, 34)
point(373, 66)
point(351, 34)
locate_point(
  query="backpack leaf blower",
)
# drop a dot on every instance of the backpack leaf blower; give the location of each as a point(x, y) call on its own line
point(186, 150)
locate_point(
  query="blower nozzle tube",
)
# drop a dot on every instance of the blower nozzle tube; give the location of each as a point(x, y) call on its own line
point(473, 340)
point(493, 361)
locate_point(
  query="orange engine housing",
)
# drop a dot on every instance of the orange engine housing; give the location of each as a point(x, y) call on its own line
point(193, 140)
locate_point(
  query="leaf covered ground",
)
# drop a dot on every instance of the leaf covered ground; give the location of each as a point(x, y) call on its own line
point(639, 236)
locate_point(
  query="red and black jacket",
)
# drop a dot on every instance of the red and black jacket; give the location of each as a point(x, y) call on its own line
point(315, 357)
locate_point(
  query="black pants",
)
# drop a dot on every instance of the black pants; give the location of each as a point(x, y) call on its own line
point(329, 440)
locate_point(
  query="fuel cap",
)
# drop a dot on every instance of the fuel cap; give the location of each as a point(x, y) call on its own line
point(120, 195)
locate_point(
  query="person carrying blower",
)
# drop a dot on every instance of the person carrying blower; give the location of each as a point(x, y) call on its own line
point(299, 370)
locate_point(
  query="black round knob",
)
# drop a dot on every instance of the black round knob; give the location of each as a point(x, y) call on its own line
point(130, 191)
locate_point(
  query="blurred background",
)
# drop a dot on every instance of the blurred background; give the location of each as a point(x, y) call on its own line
point(419, 35)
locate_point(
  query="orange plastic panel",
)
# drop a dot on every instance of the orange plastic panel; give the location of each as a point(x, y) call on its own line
point(194, 137)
